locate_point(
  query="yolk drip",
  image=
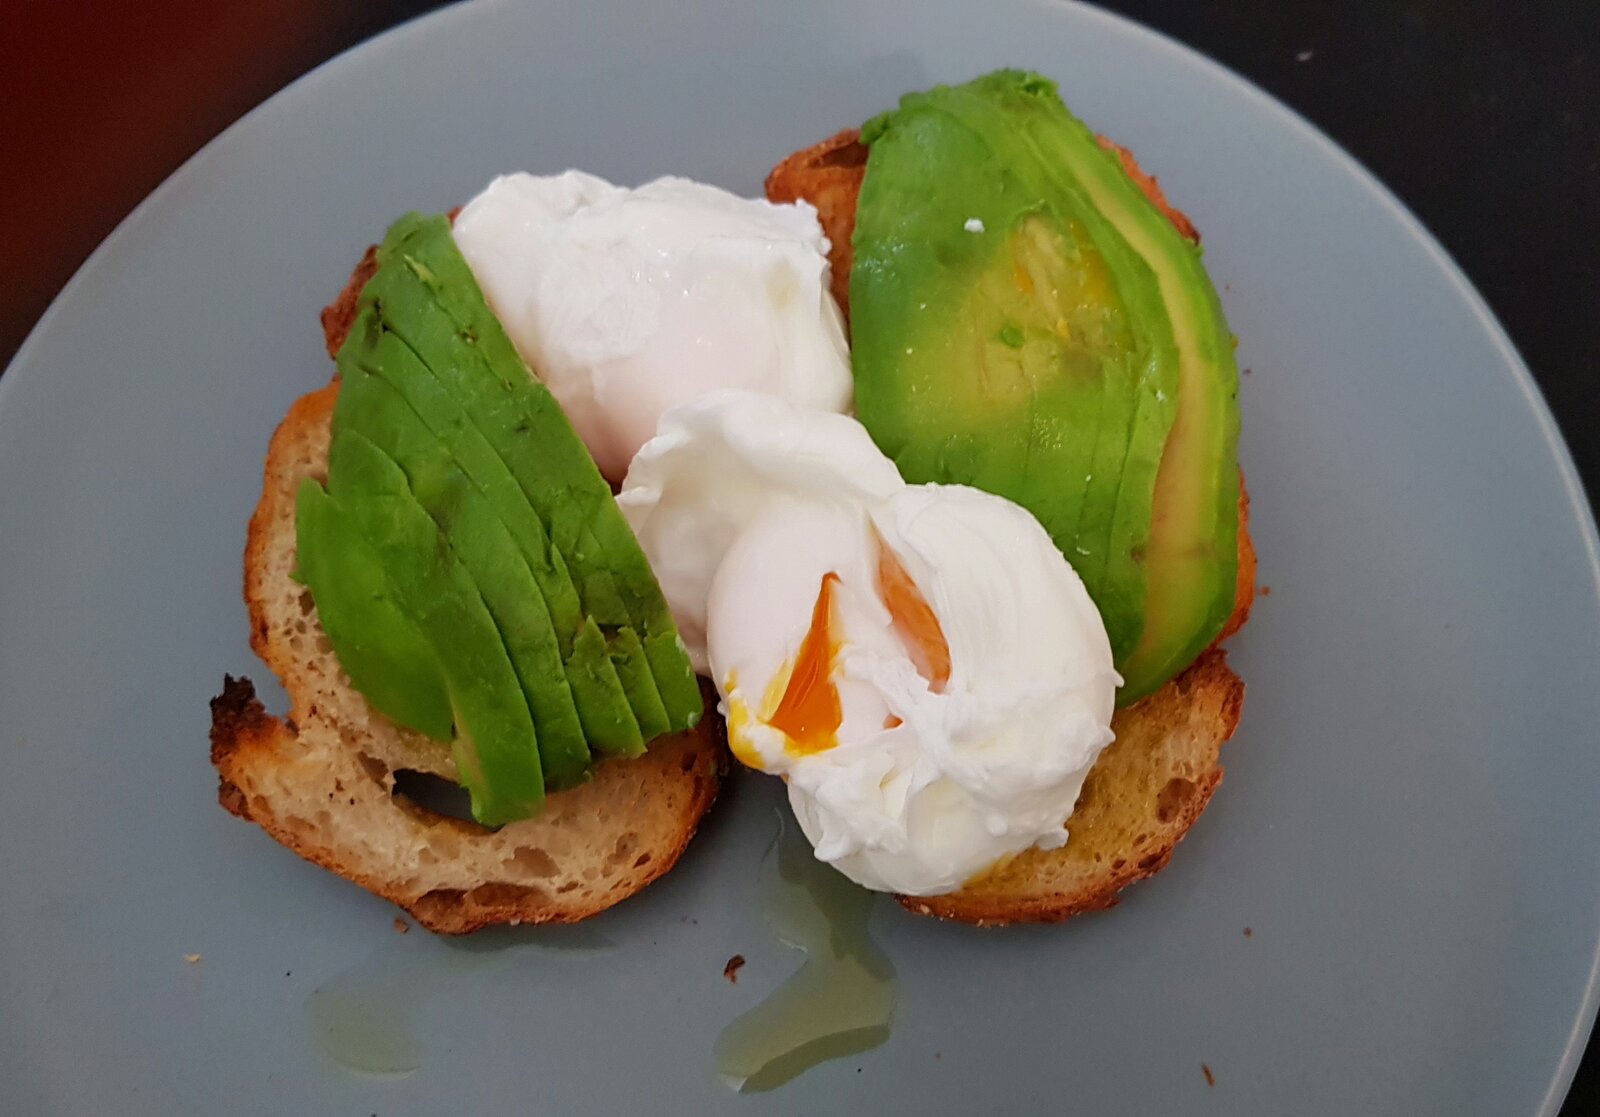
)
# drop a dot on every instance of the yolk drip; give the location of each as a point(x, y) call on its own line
point(809, 712)
point(739, 722)
point(914, 620)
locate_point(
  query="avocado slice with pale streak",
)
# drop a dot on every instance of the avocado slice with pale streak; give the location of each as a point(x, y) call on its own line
point(1034, 326)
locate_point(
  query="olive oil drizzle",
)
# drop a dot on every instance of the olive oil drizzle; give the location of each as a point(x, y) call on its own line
point(841, 1001)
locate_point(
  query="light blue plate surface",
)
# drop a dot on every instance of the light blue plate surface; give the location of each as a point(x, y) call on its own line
point(1408, 823)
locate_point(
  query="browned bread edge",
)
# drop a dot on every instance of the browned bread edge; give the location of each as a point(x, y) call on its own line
point(247, 742)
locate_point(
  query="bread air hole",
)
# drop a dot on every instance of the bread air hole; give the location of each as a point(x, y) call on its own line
point(376, 770)
point(434, 794)
point(534, 862)
point(497, 894)
point(1173, 798)
point(621, 851)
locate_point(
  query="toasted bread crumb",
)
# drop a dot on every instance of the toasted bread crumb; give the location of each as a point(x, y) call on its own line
point(1211, 1079)
point(191, 958)
point(731, 970)
point(401, 926)
point(1248, 932)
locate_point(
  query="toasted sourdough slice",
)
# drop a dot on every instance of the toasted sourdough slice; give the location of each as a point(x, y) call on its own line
point(322, 780)
point(1154, 780)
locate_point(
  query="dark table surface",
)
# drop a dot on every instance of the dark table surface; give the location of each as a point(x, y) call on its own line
point(1483, 117)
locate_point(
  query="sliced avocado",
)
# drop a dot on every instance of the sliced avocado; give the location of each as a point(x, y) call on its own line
point(435, 260)
point(434, 304)
point(431, 557)
point(601, 703)
point(627, 654)
point(494, 745)
point(484, 545)
point(401, 299)
point(675, 678)
point(377, 642)
point(612, 728)
point(1036, 327)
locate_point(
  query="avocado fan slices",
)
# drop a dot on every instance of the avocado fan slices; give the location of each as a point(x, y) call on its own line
point(493, 742)
point(590, 531)
point(372, 352)
point(435, 305)
point(461, 556)
point(484, 547)
point(1046, 334)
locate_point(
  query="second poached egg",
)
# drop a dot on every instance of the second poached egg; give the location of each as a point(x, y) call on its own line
point(919, 663)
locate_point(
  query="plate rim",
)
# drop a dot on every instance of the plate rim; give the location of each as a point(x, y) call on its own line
point(1181, 53)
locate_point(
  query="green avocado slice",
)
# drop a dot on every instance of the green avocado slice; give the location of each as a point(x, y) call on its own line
point(434, 304)
point(613, 576)
point(398, 298)
point(1191, 556)
point(376, 641)
point(1035, 327)
point(372, 352)
point(485, 547)
point(494, 744)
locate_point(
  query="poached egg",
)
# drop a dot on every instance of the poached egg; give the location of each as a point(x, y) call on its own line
point(628, 301)
point(918, 662)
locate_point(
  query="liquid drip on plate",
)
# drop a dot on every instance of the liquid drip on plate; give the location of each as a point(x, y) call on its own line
point(842, 999)
point(365, 1019)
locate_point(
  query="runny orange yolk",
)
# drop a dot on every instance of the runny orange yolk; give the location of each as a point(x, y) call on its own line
point(914, 620)
point(809, 712)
